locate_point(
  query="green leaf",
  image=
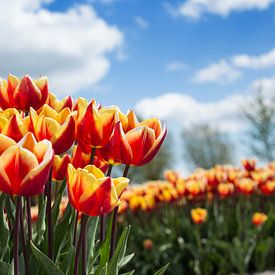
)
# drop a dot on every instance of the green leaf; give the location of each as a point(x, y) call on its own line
point(41, 222)
point(119, 252)
point(105, 247)
point(62, 228)
point(68, 262)
point(10, 208)
point(4, 268)
point(129, 273)
point(11, 269)
point(46, 263)
point(4, 229)
point(91, 233)
point(57, 201)
point(162, 270)
point(126, 260)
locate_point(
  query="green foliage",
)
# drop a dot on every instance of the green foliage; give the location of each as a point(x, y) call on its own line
point(98, 260)
point(226, 243)
point(205, 147)
point(260, 115)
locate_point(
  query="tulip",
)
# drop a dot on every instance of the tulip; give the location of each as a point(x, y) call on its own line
point(268, 188)
point(198, 215)
point(94, 127)
point(246, 186)
point(6, 90)
point(59, 128)
point(148, 244)
point(144, 142)
point(171, 176)
point(59, 105)
point(15, 127)
point(259, 218)
point(117, 149)
point(225, 189)
point(30, 93)
point(24, 166)
point(80, 159)
point(60, 165)
point(92, 193)
point(249, 164)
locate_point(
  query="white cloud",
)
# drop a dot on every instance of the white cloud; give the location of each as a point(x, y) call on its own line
point(141, 22)
point(267, 85)
point(265, 60)
point(217, 72)
point(196, 8)
point(70, 47)
point(175, 66)
point(230, 69)
point(180, 110)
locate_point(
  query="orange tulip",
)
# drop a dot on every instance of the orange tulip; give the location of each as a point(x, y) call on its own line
point(268, 188)
point(59, 128)
point(24, 166)
point(92, 193)
point(117, 149)
point(144, 142)
point(12, 124)
point(225, 189)
point(259, 218)
point(198, 215)
point(6, 90)
point(59, 105)
point(246, 186)
point(95, 126)
point(30, 93)
point(171, 176)
point(60, 165)
point(15, 127)
point(80, 159)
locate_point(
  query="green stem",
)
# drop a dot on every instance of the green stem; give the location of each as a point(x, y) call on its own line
point(24, 244)
point(114, 221)
point(16, 236)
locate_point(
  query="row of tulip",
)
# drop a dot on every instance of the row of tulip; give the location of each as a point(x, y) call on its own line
point(221, 181)
point(216, 221)
point(37, 132)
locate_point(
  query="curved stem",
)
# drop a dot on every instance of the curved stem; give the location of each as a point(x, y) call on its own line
point(16, 236)
point(24, 244)
point(84, 220)
point(114, 221)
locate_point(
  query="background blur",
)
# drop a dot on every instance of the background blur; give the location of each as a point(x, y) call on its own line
point(206, 67)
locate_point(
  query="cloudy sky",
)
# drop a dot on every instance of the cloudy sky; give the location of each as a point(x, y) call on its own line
point(184, 60)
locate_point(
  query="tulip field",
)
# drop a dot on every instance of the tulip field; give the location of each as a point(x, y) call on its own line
point(63, 212)
point(217, 221)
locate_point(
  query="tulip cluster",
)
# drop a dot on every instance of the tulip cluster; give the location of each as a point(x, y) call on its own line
point(46, 141)
point(203, 185)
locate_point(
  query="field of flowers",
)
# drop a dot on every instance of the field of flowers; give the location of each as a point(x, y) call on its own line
point(216, 221)
point(62, 212)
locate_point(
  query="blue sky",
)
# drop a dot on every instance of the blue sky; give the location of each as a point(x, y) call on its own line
point(166, 39)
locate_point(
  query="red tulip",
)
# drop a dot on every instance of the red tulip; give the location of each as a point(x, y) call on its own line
point(24, 166)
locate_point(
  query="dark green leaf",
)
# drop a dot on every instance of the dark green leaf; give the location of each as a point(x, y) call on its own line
point(162, 270)
point(46, 263)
